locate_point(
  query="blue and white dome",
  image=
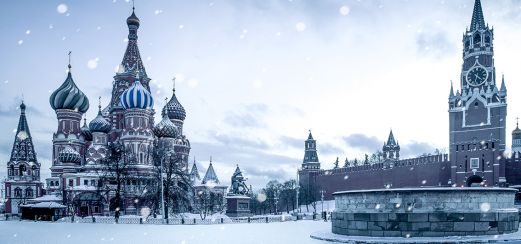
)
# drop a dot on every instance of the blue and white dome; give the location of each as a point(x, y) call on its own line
point(137, 96)
point(69, 155)
point(69, 96)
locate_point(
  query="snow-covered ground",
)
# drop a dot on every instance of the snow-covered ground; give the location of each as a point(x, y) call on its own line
point(18, 232)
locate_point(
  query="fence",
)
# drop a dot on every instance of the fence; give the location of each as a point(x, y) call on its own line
point(185, 221)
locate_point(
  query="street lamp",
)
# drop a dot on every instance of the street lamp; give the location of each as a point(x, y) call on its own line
point(322, 200)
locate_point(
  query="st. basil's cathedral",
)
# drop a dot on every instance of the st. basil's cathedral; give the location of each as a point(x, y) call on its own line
point(78, 151)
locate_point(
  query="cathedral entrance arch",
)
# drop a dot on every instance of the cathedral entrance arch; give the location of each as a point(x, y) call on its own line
point(474, 181)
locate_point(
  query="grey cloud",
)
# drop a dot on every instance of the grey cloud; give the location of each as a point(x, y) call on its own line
point(330, 149)
point(415, 149)
point(238, 142)
point(248, 116)
point(290, 142)
point(363, 142)
point(434, 42)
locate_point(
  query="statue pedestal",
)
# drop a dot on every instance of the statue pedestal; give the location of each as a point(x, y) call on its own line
point(237, 205)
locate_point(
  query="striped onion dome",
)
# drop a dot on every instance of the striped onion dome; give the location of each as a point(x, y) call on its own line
point(137, 96)
point(165, 128)
point(85, 131)
point(69, 155)
point(100, 124)
point(69, 96)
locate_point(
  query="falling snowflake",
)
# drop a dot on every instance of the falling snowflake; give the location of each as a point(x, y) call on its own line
point(98, 28)
point(300, 26)
point(424, 182)
point(261, 197)
point(158, 11)
point(344, 10)
point(149, 58)
point(407, 235)
point(93, 63)
point(22, 135)
point(377, 206)
point(27, 32)
point(20, 42)
point(346, 177)
point(484, 207)
point(62, 8)
point(6, 81)
point(51, 26)
point(181, 26)
point(145, 212)
point(63, 38)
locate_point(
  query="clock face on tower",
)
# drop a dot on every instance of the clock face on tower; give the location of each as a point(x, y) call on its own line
point(477, 76)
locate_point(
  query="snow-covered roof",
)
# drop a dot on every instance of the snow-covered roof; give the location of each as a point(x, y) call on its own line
point(210, 176)
point(46, 198)
point(44, 205)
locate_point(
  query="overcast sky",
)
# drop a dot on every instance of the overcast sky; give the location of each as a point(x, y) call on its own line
point(254, 76)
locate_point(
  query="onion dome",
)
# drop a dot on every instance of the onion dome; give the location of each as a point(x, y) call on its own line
point(137, 96)
point(69, 96)
point(516, 134)
point(69, 155)
point(165, 128)
point(174, 109)
point(85, 131)
point(100, 124)
point(133, 19)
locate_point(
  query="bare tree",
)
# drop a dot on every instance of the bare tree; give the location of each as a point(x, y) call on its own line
point(116, 171)
point(177, 187)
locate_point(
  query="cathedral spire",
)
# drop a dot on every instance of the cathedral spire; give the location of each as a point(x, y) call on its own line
point(451, 94)
point(132, 58)
point(391, 140)
point(23, 149)
point(503, 89)
point(478, 21)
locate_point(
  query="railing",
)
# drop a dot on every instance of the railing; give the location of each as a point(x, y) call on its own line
point(183, 221)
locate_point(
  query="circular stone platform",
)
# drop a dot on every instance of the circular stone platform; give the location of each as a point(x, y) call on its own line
point(425, 212)
point(506, 238)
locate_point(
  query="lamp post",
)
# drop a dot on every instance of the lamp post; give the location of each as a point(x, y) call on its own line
point(322, 200)
point(297, 188)
point(162, 189)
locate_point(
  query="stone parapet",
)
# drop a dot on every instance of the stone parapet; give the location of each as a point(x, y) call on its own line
point(425, 212)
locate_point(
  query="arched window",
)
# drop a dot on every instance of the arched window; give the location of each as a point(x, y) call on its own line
point(11, 170)
point(29, 192)
point(21, 170)
point(487, 40)
point(477, 40)
point(17, 192)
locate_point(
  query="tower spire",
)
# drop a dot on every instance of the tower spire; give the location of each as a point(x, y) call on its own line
point(23, 149)
point(478, 21)
point(451, 94)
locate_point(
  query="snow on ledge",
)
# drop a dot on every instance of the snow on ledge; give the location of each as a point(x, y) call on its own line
point(429, 189)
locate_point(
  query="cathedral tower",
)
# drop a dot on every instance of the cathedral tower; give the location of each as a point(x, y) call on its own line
point(23, 169)
point(477, 113)
point(69, 103)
